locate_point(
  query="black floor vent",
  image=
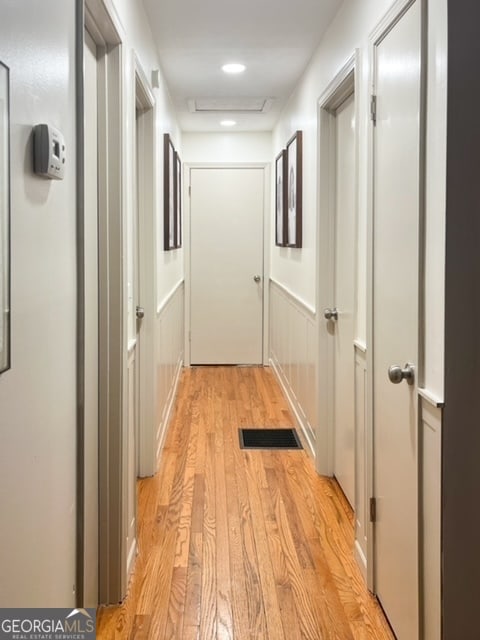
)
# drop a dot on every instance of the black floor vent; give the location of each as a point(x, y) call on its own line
point(269, 439)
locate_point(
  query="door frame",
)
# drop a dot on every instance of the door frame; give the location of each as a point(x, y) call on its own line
point(385, 25)
point(344, 84)
point(145, 171)
point(99, 17)
point(188, 166)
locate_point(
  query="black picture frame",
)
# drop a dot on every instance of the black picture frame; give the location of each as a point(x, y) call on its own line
point(169, 193)
point(294, 190)
point(281, 199)
point(5, 316)
point(178, 201)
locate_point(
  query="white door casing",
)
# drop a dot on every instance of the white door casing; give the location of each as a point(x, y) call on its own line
point(140, 288)
point(394, 324)
point(107, 33)
point(90, 562)
point(336, 268)
point(226, 265)
point(145, 170)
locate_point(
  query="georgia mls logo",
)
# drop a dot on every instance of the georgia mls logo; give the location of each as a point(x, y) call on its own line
point(48, 624)
point(87, 621)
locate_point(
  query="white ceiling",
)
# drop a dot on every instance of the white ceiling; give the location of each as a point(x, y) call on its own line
point(275, 39)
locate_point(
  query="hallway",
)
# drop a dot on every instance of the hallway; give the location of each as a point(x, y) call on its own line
point(236, 544)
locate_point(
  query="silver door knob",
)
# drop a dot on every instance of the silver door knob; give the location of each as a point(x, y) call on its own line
point(257, 278)
point(330, 314)
point(396, 374)
point(140, 311)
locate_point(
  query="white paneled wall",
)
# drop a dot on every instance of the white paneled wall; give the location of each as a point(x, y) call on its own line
point(293, 349)
point(170, 351)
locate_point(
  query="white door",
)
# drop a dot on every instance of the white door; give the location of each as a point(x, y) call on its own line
point(226, 211)
point(344, 299)
point(396, 202)
point(134, 326)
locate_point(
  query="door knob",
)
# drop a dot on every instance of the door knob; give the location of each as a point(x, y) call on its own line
point(257, 278)
point(140, 311)
point(330, 314)
point(396, 374)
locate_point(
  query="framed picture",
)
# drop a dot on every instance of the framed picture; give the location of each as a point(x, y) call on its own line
point(169, 193)
point(294, 191)
point(281, 199)
point(4, 218)
point(178, 201)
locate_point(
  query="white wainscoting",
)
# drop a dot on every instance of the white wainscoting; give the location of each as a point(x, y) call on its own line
point(361, 498)
point(293, 351)
point(430, 479)
point(170, 341)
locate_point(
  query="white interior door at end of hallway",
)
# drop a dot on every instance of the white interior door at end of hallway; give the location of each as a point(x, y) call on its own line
point(344, 299)
point(226, 276)
point(396, 214)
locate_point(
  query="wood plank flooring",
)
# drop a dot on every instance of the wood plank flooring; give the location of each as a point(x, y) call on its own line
point(240, 544)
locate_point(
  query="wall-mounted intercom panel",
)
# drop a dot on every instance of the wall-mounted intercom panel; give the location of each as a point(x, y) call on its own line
point(49, 152)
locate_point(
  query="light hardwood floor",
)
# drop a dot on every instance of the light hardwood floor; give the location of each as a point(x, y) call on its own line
point(237, 544)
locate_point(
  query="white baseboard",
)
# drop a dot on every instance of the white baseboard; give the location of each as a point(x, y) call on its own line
point(167, 414)
point(132, 554)
point(361, 559)
point(296, 410)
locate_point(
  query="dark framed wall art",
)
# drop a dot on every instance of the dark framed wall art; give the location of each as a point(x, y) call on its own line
point(169, 195)
point(4, 218)
point(172, 196)
point(281, 199)
point(294, 191)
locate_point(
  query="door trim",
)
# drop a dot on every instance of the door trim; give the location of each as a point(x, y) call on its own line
point(80, 568)
point(145, 170)
point(188, 166)
point(344, 84)
point(99, 17)
point(385, 25)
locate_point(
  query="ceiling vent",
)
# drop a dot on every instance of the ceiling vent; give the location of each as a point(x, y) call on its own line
point(229, 105)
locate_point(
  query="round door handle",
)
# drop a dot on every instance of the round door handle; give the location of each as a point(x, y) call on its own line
point(396, 374)
point(330, 314)
point(257, 278)
point(140, 311)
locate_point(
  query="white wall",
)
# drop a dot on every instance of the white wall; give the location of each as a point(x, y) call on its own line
point(296, 268)
point(227, 147)
point(38, 394)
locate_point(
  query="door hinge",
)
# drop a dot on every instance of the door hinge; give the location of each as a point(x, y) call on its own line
point(373, 109)
point(373, 509)
point(189, 190)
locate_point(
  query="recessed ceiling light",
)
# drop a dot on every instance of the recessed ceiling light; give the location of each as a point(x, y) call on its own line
point(234, 67)
point(228, 123)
